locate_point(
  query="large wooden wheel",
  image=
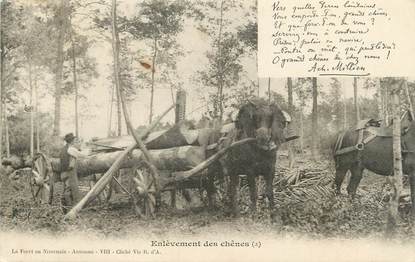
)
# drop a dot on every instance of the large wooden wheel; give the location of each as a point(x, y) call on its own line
point(143, 190)
point(42, 180)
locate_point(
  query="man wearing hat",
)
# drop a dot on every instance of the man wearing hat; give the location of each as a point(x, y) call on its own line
point(68, 156)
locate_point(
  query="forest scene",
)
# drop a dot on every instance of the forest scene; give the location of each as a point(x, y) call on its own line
point(114, 72)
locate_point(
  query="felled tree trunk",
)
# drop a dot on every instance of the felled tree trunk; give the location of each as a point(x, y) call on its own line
point(173, 137)
point(173, 159)
point(177, 159)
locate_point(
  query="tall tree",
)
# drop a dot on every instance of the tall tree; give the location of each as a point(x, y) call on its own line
point(223, 70)
point(314, 127)
point(10, 40)
point(75, 83)
point(32, 123)
point(408, 97)
point(384, 93)
point(302, 89)
point(61, 20)
point(335, 100)
point(159, 22)
point(79, 69)
point(291, 155)
point(2, 57)
point(37, 116)
point(356, 101)
point(248, 34)
point(396, 179)
point(116, 54)
point(34, 55)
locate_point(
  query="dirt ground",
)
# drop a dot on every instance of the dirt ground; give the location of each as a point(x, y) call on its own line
point(308, 206)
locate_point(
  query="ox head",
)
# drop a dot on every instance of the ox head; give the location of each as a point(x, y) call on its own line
point(263, 121)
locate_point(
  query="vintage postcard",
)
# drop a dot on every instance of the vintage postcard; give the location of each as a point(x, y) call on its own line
point(207, 130)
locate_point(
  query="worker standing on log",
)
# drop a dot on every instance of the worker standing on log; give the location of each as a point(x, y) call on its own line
point(68, 156)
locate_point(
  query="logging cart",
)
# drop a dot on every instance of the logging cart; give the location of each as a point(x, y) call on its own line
point(179, 154)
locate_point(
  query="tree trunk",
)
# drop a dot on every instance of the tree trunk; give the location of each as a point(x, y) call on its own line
point(290, 94)
point(119, 112)
point(153, 71)
point(2, 88)
point(32, 125)
point(396, 179)
point(129, 105)
point(408, 97)
point(62, 16)
point(257, 79)
point(220, 65)
point(291, 155)
point(116, 50)
point(379, 99)
point(301, 126)
point(6, 126)
point(174, 159)
point(37, 116)
point(111, 104)
point(345, 113)
point(314, 119)
point(385, 104)
point(75, 86)
point(172, 94)
point(356, 102)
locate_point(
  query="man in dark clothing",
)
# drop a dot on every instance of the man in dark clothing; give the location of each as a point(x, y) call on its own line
point(68, 156)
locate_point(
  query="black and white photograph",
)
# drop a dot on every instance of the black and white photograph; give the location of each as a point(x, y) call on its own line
point(207, 130)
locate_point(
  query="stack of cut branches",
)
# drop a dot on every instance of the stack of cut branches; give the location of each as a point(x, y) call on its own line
point(300, 185)
point(294, 187)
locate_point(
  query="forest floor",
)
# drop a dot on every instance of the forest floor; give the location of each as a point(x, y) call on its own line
point(305, 205)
